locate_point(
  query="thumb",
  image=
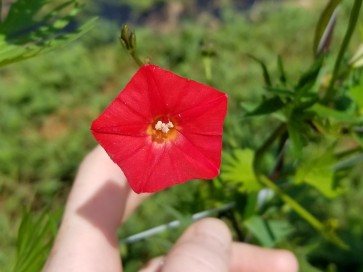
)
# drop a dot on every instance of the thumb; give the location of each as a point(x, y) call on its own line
point(204, 247)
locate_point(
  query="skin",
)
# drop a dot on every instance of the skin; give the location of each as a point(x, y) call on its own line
point(101, 200)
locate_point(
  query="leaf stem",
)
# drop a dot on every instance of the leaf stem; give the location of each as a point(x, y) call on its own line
point(354, 15)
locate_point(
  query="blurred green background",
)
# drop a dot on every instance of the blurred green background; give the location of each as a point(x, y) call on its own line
point(48, 103)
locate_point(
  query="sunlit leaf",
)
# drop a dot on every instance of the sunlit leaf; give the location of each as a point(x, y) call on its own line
point(339, 116)
point(316, 169)
point(356, 93)
point(28, 37)
point(357, 60)
point(35, 238)
point(237, 168)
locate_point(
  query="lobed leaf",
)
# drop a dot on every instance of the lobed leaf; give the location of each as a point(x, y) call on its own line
point(238, 168)
point(316, 169)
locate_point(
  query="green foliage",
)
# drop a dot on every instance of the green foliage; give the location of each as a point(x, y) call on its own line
point(316, 169)
point(35, 238)
point(28, 31)
point(268, 232)
point(238, 169)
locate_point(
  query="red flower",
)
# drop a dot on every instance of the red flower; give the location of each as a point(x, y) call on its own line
point(163, 129)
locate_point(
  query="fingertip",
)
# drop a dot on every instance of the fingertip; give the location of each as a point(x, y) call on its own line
point(246, 257)
point(204, 246)
point(155, 264)
point(285, 261)
point(213, 227)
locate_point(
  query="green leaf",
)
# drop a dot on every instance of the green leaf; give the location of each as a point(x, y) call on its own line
point(282, 92)
point(267, 106)
point(339, 116)
point(358, 138)
point(322, 28)
point(251, 205)
point(268, 232)
point(328, 233)
point(296, 133)
point(237, 168)
point(316, 169)
point(21, 9)
point(302, 258)
point(353, 19)
point(356, 93)
point(308, 79)
point(281, 68)
point(35, 238)
point(266, 74)
point(23, 37)
point(357, 60)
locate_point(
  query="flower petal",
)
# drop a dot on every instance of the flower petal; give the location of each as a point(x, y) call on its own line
point(205, 119)
point(121, 119)
point(175, 92)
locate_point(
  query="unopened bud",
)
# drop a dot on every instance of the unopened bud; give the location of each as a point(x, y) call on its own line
point(207, 49)
point(128, 38)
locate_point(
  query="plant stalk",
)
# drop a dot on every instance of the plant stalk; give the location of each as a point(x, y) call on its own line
point(136, 58)
point(354, 15)
point(311, 219)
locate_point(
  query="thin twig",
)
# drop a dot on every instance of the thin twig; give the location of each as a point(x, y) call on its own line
point(174, 224)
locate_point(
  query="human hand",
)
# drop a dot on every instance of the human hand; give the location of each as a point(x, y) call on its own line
point(101, 200)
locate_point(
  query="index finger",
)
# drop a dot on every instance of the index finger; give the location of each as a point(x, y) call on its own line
point(99, 200)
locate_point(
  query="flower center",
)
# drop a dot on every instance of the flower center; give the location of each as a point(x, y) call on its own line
point(162, 130)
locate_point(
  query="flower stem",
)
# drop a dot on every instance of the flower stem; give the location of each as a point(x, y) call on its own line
point(301, 211)
point(311, 219)
point(354, 15)
point(207, 63)
point(136, 58)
